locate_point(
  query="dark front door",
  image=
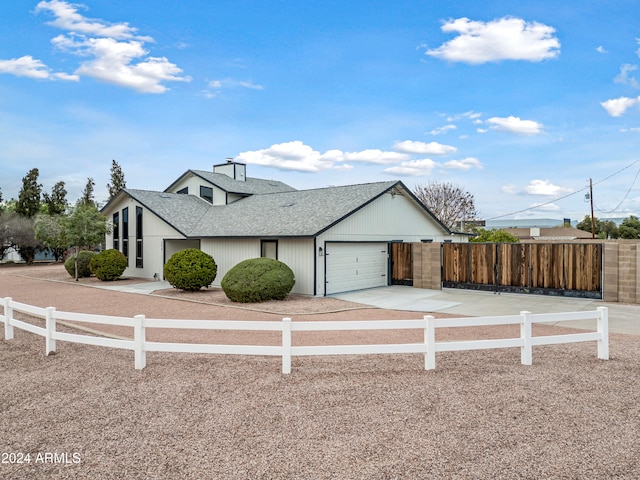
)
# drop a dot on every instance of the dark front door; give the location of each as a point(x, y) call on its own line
point(401, 264)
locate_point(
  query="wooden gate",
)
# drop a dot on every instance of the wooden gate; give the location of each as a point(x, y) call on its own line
point(568, 269)
point(401, 264)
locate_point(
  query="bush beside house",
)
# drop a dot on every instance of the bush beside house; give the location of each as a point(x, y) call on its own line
point(84, 259)
point(190, 269)
point(258, 280)
point(108, 265)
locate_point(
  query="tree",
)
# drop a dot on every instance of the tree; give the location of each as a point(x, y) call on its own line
point(493, 236)
point(603, 228)
point(50, 230)
point(18, 232)
point(29, 198)
point(85, 228)
point(5, 233)
point(449, 203)
point(87, 193)
point(56, 203)
point(629, 228)
point(117, 180)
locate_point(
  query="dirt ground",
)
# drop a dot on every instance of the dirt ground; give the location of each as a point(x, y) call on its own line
point(86, 413)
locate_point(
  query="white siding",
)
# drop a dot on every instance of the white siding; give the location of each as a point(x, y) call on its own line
point(388, 218)
point(296, 253)
point(193, 183)
point(154, 230)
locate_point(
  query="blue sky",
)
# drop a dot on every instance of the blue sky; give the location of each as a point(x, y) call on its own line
point(519, 103)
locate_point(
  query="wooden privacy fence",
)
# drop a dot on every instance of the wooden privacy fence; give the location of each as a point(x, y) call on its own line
point(286, 350)
point(573, 269)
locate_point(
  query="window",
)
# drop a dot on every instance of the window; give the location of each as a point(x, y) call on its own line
point(207, 193)
point(138, 237)
point(116, 231)
point(125, 232)
point(183, 191)
point(269, 249)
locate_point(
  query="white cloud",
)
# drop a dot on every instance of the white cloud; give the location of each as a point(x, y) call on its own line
point(506, 38)
point(471, 115)
point(601, 49)
point(67, 18)
point(300, 157)
point(422, 148)
point(464, 164)
point(442, 130)
point(113, 62)
point(413, 168)
point(230, 83)
point(27, 66)
point(617, 106)
point(624, 76)
point(515, 125)
point(510, 189)
point(545, 188)
point(115, 52)
point(545, 207)
point(631, 129)
point(373, 156)
point(288, 156)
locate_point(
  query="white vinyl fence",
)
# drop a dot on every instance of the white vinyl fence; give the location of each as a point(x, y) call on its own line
point(286, 350)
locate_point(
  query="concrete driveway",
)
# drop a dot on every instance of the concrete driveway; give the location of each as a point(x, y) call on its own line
point(622, 318)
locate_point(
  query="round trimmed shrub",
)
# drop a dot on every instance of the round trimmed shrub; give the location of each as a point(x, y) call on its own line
point(190, 269)
point(84, 258)
point(109, 264)
point(258, 280)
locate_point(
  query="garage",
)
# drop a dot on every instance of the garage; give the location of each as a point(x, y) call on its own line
point(355, 266)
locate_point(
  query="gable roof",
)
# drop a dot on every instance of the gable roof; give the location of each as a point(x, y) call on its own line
point(299, 213)
point(182, 212)
point(250, 186)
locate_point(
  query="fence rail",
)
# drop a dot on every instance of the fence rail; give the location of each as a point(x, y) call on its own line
point(286, 350)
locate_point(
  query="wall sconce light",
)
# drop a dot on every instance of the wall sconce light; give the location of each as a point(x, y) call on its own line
point(320, 252)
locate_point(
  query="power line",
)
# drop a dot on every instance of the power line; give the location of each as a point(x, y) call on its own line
point(623, 198)
point(572, 193)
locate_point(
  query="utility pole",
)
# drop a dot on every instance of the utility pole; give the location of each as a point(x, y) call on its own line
point(593, 223)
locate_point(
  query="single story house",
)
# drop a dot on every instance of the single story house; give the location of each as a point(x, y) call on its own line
point(555, 234)
point(335, 239)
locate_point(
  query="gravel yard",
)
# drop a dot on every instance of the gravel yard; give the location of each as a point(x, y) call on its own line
point(86, 413)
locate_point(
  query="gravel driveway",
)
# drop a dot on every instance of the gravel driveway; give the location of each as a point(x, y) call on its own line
point(86, 413)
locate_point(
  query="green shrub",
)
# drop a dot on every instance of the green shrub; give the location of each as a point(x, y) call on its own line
point(108, 265)
point(190, 269)
point(258, 280)
point(84, 258)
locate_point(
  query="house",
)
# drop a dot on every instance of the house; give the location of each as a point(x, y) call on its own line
point(556, 234)
point(334, 239)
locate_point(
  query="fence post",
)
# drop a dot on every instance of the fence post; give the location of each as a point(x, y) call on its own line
point(50, 341)
point(139, 339)
point(526, 351)
point(603, 330)
point(430, 342)
point(286, 345)
point(8, 318)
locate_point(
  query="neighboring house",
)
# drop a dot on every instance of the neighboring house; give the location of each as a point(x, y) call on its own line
point(334, 239)
point(556, 234)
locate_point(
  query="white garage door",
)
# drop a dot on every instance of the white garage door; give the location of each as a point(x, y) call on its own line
point(355, 266)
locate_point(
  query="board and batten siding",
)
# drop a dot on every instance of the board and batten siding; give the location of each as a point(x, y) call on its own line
point(388, 218)
point(296, 253)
